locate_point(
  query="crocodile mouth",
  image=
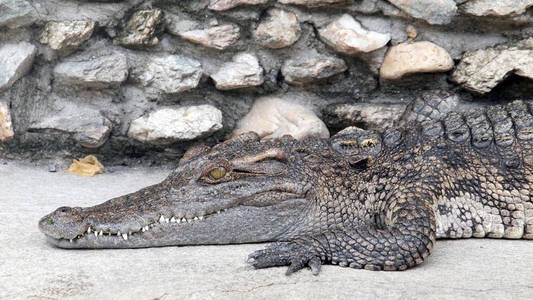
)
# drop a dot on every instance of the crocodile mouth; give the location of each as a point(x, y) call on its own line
point(233, 224)
point(163, 223)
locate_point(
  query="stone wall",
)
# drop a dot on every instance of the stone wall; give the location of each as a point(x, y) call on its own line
point(144, 80)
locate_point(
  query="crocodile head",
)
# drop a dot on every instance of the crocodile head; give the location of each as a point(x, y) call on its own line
point(240, 191)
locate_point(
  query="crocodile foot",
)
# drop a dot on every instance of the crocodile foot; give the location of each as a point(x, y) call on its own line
point(296, 256)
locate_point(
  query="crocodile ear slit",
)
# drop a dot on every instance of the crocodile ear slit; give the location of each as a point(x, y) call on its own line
point(193, 152)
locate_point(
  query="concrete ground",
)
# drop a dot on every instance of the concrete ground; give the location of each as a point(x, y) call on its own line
point(32, 269)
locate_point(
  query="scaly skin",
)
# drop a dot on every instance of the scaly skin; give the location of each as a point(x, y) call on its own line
point(360, 199)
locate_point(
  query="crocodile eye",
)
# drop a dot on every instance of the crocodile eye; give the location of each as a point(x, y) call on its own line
point(217, 172)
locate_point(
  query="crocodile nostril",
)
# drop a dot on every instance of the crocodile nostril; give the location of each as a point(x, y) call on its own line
point(64, 209)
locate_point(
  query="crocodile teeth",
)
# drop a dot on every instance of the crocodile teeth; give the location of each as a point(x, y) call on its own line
point(89, 230)
point(201, 217)
point(70, 240)
point(161, 219)
point(172, 220)
point(125, 236)
point(195, 218)
point(118, 233)
point(96, 234)
point(101, 232)
point(184, 220)
point(143, 230)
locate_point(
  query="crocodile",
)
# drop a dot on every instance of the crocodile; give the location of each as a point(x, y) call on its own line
point(360, 199)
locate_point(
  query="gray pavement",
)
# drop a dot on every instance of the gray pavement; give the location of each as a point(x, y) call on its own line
point(32, 269)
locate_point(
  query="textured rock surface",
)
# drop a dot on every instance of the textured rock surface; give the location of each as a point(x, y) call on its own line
point(168, 74)
point(274, 117)
point(312, 3)
point(171, 124)
point(16, 13)
point(6, 125)
point(375, 116)
point(498, 8)
point(480, 71)
point(409, 58)
point(280, 29)
point(98, 70)
point(85, 124)
point(141, 29)
point(144, 55)
point(15, 61)
point(227, 4)
point(311, 68)
point(218, 37)
point(346, 35)
point(60, 35)
point(433, 11)
point(243, 71)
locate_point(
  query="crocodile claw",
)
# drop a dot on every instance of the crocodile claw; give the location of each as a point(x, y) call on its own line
point(290, 254)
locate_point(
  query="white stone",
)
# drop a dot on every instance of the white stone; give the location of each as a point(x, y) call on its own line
point(217, 37)
point(497, 8)
point(274, 117)
point(346, 35)
point(243, 71)
point(171, 124)
point(312, 3)
point(311, 68)
point(419, 57)
point(17, 13)
point(280, 29)
point(227, 4)
point(432, 11)
point(169, 74)
point(15, 61)
point(6, 125)
point(481, 70)
point(85, 124)
point(101, 70)
point(69, 34)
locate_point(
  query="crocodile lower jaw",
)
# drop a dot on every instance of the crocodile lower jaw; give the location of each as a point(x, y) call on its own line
point(163, 222)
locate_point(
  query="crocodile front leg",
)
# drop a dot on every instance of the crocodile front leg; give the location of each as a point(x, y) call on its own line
point(404, 243)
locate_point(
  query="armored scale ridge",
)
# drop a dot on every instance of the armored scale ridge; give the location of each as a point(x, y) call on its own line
point(360, 199)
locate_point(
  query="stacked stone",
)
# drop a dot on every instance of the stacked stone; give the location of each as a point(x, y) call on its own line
point(107, 76)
